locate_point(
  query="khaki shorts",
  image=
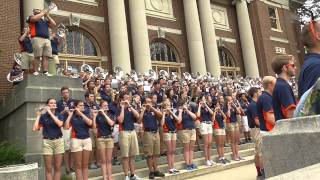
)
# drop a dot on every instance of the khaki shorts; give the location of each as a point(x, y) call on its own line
point(93, 137)
point(257, 138)
point(205, 128)
point(26, 60)
point(66, 134)
point(41, 47)
point(55, 59)
point(219, 132)
point(81, 145)
point(105, 143)
point(51, 147)
point(151, 143)
point(232, 126)
point(169, 136)
point(128, 143)
point(187, 135)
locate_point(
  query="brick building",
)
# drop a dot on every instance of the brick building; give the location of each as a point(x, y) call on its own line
point(226, 37)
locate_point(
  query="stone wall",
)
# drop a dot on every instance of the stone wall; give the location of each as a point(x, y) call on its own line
point(293, 144)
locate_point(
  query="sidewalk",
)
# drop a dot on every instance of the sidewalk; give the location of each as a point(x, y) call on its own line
point(247, 172)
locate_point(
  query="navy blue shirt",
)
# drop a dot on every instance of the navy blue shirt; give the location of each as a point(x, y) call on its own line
point(104, 129)
point(128, 121)
point(54, 45)
point(88, 107)
point(169, 123)
point(309, 72)
point(80, 129)
point(187, 121)
point(251, 113)
point(105, 97)
point(160, 95)
point(150, 122)
point(218, 121)
point(205, 114)
point(49, 128)
point(282, 99)
point(61, 104)
point(264, 105)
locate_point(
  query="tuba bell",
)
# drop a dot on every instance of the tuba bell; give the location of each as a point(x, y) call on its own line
point(164, 74)
point(51, 7)
point(87, 69)
point(16, 74)
point(62, 30)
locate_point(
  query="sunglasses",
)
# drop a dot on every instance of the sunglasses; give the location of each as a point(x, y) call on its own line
point(291, 65)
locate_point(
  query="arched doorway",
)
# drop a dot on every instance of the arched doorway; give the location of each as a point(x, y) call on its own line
point(79, 48)
point(229, 67)
point(164, 57)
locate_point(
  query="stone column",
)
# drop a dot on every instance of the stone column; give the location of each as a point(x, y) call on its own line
point(246, 38)
point(29, 5)
point(194, 37)
point(209, 38)
point(118, 35)
point(140, 37)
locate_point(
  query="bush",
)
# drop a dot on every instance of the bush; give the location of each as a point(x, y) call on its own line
point(10, 154)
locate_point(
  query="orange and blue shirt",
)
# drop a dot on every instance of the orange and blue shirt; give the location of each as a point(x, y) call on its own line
point(218, 121)
point(283, 99)
point(39, 28)
point(205, 115)
point(264, 106)
point(103, 128)
point(233, 114)
point(187, 121)
point(251, 113)
point(50, 130)
point(169, 123)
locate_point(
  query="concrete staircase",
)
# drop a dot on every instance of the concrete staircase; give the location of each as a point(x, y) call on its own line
point(246, 151)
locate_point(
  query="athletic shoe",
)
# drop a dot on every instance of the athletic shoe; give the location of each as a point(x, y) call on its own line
point(47, 74)
point(188, 168)
point(175, 170)
point(222, 161)
point(193, 166)
point(36, 73)
point(208, 163)
point(127, 178)
point(171, 171)
point(241, 158)
point(135, 177)
point(226, 160)
point(158, 174)
point(213, 163)
point(151, 175)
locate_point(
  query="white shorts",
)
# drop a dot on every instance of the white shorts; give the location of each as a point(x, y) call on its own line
point(205, 128)
point(245, 124)
point(66, 134)
point(115, 133)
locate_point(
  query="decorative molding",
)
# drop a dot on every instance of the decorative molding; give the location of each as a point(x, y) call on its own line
point(161, 9)
point(225, 39)
point(82, 16)
point(284, 4)
point(281, 40)
point(220, 18)
point(280, 50)
point(164, 29)
point(86, 2)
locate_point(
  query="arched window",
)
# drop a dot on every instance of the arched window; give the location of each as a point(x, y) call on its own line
point(77, 43)
point(228, 65)
point(161, 51)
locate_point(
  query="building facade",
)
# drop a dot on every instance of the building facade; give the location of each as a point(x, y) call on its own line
point(228, 37)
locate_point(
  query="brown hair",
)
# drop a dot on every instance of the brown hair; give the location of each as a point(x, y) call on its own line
point(279, 61)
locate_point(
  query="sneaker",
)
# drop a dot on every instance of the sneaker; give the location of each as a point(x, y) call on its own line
point(36, 73)
point(127, 178)
point(135, 177)
point(47, 74)
point(212, 162)
point(188, 168)
point(226, 160)
point(208, 163)
point(176, 170)
point(241, 158)
point(158, 174)
point(171, 171)
point(151, 175)
point(193, 166)
point(93, 166)
point(222, 161)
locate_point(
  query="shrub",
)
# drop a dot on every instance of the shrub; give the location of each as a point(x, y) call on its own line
point(10, 154)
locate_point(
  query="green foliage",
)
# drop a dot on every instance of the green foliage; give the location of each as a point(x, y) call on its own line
point(10, 154)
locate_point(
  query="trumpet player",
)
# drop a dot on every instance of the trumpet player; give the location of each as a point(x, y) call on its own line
point(26, 50)
point(54, 60)
point(127, 136)
point(103, 122)
point(81, 144)
point(53, 148)
point(39, 24)
point(150, 116)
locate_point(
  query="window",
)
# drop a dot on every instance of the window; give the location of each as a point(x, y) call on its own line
point(274, 18)
point(77, 43)
point(161, 51)
point(229, 68)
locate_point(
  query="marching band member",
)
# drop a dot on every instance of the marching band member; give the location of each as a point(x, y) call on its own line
point(81, 144)
point(26, 50)
point(52, 144)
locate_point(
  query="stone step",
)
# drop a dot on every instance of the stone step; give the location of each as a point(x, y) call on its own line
point(184, 174)
point(163, 160)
